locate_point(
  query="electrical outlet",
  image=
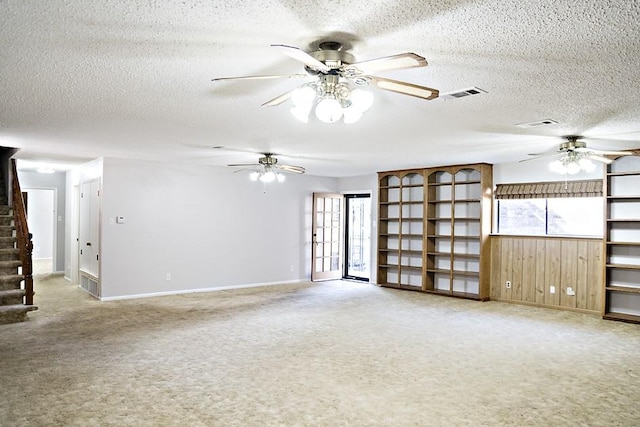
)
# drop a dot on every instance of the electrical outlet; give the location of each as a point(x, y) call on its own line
point(508, 284)
point(552, 289)
point(570, 291)
point(168, 276)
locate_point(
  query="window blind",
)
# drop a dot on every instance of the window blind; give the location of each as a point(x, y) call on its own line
point(548, 190)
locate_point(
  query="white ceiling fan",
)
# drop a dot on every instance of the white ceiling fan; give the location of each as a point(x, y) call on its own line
point(336, 93)
point(575, 156)
point(267, 169)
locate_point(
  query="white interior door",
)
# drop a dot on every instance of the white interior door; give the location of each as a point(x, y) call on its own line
point(89, 236)
point(326, 249)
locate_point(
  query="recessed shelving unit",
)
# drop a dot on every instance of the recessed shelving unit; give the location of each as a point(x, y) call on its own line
point(400, 229)
point(622, 240)
point(442, 244)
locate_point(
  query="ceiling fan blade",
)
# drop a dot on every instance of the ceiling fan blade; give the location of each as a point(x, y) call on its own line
point(266, 77)
point(289, 168)
point(611, 153)
point(540, 156)
point(244, 165)
point(600, 159)
point(302, 56)
point(405, 88)
point(395, 62)
point(278, 99)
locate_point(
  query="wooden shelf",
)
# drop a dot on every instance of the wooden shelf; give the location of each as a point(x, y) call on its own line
point(630, 173)
point(623, 197)
point(623, 317)
point(623, 243)
point(629, 289)
point(624, 266)
point(465, 295)
point(453, 272)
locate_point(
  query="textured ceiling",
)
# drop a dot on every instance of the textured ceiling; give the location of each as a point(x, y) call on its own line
point(83, 79)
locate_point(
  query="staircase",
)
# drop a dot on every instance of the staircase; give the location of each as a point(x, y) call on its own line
point(13, 297)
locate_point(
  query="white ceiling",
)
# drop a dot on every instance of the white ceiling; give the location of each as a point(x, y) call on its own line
point(83, 79)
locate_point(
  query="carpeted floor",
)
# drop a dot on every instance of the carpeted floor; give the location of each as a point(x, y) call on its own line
point(326, 354)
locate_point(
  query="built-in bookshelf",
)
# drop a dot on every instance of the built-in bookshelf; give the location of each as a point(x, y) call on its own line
point(622, 240)
point(434, 226)
point(400, 229)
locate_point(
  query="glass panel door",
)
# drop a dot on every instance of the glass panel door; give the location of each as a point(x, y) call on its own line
point(358, 236)
point(326, 247)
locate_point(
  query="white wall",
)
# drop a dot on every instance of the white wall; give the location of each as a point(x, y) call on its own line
point(40, 215)
point(205, 226)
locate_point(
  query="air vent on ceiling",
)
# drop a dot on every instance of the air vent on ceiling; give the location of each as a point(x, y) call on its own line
point(545, 122)
point(462, 93)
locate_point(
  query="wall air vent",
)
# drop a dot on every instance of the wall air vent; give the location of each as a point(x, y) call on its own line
point(545, 122)
point(462, 93)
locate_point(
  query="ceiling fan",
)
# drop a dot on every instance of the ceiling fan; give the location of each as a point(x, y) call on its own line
point(267, 169)
point(336, 91)
point(576, 156)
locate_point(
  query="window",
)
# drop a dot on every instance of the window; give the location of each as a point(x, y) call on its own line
point(575, 216)
point(574, 208)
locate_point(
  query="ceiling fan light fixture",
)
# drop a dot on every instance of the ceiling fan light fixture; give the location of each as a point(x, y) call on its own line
point(572, 168)
point(303, 97)
point(361, 99)
point(268, 176)
point(329, 110)
point(301, 113)
point(587, 165)
point(280, 177)
point(253, 176)
point(351, 115)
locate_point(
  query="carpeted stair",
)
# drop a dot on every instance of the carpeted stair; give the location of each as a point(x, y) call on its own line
point(12, 307)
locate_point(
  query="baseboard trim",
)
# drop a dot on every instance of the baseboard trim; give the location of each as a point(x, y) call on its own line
point(193, 291)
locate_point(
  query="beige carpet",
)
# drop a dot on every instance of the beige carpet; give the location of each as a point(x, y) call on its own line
point(328, 354)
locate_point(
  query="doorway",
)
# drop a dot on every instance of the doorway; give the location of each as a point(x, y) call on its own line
point(357, 237)
point(41, 214)
point(341, 244)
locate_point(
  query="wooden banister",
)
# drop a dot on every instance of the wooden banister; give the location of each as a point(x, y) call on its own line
point(25, 244)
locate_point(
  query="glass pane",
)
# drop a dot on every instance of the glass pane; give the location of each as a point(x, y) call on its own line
point(320, 204)
point(327, 265)
point(327, 249)
point(319, 234)
point(336, 206)
point(334, 263)
point(576, 216)
point(522, 216)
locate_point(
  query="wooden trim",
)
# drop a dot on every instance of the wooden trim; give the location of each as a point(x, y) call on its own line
point(24, 244)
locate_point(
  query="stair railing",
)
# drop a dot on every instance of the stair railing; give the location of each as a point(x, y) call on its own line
point(25, 244)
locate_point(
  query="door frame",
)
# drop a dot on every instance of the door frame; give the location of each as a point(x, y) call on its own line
point(354, 195)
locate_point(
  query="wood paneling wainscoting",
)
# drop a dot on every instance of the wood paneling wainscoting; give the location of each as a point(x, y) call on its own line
point(534, 264)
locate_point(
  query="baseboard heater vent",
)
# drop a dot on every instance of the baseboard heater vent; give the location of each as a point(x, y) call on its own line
point(90, 284)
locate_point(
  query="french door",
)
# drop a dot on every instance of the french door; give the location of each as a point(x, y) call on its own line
point(326, 247)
